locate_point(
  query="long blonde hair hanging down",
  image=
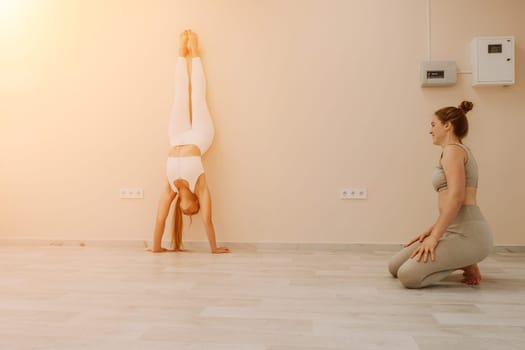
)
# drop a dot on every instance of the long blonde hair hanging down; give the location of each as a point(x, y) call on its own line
point(176, 237)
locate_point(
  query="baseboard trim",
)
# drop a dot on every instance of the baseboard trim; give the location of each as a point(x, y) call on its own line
point(245, 246)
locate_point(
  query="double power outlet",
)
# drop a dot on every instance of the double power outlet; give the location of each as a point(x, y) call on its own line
point(131, 192)
point(354, 193)
point(346, 193)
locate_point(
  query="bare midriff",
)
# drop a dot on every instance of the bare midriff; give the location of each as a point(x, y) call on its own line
point(470, 197)
point(184, 151)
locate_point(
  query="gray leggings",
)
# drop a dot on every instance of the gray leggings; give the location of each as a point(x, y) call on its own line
point(467, 241)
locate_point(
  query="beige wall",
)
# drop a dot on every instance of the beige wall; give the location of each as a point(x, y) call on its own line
point(308, 96)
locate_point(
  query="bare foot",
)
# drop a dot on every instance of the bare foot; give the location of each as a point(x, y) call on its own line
point(183, 46)
point(220, 250)
point(193, 44)
point(163, 250)
point(471, 275)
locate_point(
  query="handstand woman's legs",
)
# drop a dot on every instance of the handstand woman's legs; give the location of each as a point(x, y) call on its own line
point(180, 113)
point(201, 123)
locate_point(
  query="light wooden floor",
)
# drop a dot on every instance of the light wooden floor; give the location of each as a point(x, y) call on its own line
point(275, 298)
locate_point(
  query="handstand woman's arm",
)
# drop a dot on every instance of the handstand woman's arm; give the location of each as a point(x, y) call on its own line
point(162, 213)
point(203, 194)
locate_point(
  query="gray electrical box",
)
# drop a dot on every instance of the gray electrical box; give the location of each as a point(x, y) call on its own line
point(438, 73)
point(493, 60)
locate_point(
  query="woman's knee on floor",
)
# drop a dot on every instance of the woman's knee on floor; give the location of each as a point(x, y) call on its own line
point(399, 259)
point(393, 266)
point(410, 276)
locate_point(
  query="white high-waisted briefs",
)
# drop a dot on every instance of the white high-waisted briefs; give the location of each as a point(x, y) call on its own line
point(187, 168)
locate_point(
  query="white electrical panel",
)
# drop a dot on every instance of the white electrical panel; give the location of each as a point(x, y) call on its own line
point(493, 60)
point(438, 73)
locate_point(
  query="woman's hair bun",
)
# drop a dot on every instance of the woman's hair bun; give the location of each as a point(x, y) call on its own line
point(466, 106)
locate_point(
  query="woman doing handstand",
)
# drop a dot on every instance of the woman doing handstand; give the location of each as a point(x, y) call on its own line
point(189, 140)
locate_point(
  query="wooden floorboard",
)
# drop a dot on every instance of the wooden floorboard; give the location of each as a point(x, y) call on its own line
point(60, 295)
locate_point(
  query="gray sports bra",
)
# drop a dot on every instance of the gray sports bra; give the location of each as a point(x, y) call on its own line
point(439, 180)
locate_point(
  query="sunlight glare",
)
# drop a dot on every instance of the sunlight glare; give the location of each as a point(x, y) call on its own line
point(10, 9)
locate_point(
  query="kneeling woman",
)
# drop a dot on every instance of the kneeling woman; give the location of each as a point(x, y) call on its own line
point(189, 141)
point(460, 237)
